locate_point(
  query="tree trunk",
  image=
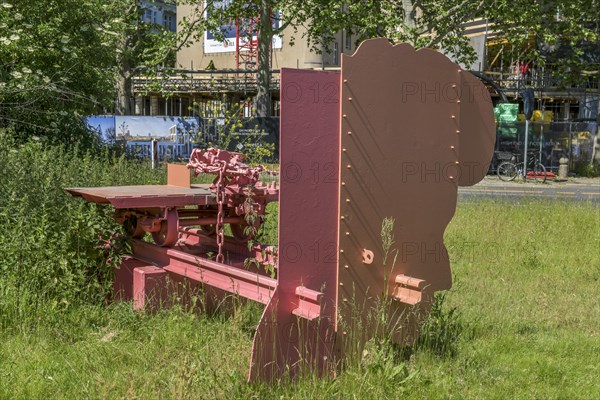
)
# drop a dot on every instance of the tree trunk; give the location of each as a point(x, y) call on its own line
point(409, 14)
point(124, 89)
point(124, 84)
point(265, 36)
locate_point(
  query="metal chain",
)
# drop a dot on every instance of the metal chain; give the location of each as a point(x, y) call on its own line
point(220, 217)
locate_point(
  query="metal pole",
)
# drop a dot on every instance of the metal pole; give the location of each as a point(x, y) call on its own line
point(542, 110)
point(154, 153)
point(541, 139)
point(570, 144)
point(525, 150)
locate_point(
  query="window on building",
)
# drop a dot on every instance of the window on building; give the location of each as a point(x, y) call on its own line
point(169, 21)
point(348, 40)
point(335, 53)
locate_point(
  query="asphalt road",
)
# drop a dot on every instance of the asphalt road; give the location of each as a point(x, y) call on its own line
point(572, 190)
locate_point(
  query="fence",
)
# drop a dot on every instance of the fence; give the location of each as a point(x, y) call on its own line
point(549, 141)
point(166, 150)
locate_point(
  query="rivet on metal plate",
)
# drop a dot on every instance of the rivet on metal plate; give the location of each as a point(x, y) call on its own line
point(367, 256)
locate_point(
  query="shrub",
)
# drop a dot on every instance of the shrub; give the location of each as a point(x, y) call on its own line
point(49, 258)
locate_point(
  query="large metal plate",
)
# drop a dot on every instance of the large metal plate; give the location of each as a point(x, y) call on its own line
point(405, 121)
point(308, 224)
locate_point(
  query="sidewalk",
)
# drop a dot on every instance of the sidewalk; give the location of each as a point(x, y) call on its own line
point(592, 183)
point(577, 189)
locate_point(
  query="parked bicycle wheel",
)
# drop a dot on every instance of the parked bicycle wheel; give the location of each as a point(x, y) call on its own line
point(539, 173)
point(507, 171)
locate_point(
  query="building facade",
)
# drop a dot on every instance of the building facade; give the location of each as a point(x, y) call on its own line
point(159, 13)
point(207, 71)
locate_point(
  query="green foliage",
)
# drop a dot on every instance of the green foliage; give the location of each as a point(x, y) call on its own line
point(442, 330)
point(61, 60)
point(231, 117)
point(422, 23)
point(51, 259)
point(55, 66)
point(267, 234)
point(587, 169)
point(387, 238)
point(433, 24)
point(138, 43)
point(562, 33)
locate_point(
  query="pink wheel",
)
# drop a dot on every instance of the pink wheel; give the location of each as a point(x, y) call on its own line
point(169, 230)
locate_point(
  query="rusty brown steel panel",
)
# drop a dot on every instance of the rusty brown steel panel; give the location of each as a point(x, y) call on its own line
point(291, 337)
point(402, 117)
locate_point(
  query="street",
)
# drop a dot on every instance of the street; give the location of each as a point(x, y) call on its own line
point(578, 189)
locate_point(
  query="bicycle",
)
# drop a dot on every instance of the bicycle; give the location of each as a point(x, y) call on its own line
point(508, 170)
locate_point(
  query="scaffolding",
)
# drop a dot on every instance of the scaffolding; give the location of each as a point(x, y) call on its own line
point(246, 43)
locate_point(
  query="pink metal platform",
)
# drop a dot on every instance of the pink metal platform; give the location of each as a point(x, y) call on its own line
point(147, 195)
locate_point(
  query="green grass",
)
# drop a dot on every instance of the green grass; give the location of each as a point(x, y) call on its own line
point(522, 320)
point(527, 281)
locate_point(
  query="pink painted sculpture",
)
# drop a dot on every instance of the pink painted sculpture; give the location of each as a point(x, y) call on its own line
point(386, 141)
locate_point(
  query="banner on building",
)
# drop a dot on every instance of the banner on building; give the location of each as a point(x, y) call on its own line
point(241, 135)
point(212, 45)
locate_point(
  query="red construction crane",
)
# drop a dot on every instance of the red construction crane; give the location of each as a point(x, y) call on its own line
point(246, 43)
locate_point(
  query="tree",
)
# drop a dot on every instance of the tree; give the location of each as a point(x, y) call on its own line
point(62, 60)
point(139, 41)
point(56, 64)
point(563, 33)
point(424, 23)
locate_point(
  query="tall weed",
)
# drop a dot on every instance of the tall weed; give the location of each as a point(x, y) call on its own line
point(49, 254)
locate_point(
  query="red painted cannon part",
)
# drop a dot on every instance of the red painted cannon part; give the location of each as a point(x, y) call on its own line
point(390, 137)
